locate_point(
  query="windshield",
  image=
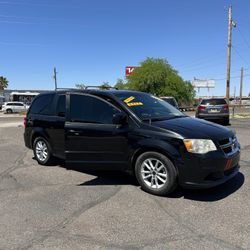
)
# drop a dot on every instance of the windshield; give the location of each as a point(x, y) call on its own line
point(147, 106)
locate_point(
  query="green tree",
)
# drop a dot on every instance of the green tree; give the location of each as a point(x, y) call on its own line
point(158, 77)
point(121, 84)
point(3, 83)
point(105, 85)
point(80, 86)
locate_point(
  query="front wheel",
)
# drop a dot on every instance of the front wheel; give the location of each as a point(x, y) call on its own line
point(155, 173)
point(42, 152)
point(9, 111)
point(226, 121)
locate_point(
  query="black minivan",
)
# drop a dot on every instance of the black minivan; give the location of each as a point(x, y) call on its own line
point(131, 131)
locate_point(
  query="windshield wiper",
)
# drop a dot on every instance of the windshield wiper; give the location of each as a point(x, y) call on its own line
point(177, 116)
point(154, 119)
point(147, 119)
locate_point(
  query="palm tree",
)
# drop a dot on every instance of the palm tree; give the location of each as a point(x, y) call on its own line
point(3, 83)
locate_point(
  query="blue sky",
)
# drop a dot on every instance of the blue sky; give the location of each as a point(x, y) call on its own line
point(91, 41)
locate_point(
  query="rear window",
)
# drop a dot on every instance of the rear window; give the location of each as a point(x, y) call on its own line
point(42, 105)
point(213, 102)
point(170, 101)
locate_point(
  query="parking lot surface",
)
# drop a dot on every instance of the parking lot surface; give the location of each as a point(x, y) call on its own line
point(58, 208)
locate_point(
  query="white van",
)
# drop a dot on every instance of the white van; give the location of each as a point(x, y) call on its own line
point(14, 107)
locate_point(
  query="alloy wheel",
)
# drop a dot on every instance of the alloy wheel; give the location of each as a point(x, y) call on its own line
point(154, 173)
point(41, 151)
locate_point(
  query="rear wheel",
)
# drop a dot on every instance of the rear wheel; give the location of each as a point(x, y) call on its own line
point(155, 173)
point(42, 151)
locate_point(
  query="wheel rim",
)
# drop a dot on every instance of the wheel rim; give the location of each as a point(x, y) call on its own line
point(154, 173)
point(41, 151)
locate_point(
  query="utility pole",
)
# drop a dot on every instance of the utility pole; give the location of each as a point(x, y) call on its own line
point(55, 78)
point(241, 83)
point(229, 45)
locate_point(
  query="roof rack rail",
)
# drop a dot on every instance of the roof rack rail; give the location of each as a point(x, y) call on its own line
point(65, 88)
point(100, 87)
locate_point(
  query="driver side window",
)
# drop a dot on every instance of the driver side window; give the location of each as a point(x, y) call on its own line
point(90, 109)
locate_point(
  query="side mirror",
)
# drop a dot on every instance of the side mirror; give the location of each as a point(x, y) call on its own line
point(61, 114)
point(120, 118)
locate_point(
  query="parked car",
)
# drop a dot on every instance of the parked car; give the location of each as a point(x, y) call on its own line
point(171, 100)
point(132, 131)
point(213, 109)
point(14, 107)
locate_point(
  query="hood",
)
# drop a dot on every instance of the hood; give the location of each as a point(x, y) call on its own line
point(193, 128)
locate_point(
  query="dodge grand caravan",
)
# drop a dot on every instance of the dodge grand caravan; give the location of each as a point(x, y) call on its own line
point(132, 131)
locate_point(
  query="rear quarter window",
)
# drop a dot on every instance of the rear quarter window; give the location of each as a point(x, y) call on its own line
point(42, 105)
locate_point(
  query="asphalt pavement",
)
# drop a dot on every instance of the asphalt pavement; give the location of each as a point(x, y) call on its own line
point(58, 208)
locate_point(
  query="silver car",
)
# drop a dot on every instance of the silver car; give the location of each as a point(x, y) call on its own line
point(213, 109)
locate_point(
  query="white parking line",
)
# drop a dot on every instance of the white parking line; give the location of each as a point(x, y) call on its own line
point(11, 124)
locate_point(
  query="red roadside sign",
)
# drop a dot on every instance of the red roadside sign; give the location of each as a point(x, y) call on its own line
point(129, 70)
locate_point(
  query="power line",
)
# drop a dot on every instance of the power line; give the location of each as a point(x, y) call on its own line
point(236, 50)
point(201, 60)
point(244, 38)
point(233, 77)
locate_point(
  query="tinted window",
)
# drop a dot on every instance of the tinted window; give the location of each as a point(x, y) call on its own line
point(170, 101)
point(213, 102)
point(61, 106)
point(91, 110)
point(18, 104)
point(42, 105)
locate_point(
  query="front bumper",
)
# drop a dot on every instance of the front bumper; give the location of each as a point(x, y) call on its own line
point(210, 170)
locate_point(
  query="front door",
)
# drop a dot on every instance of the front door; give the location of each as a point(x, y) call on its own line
point(91, 139)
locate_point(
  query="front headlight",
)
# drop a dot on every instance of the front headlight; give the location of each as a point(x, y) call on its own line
point(199, 146)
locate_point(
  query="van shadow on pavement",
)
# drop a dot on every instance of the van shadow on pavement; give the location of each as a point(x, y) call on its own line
point(122, 178)
point(212, 194)
point(205, 195)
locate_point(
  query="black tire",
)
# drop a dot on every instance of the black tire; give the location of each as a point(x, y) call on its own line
point(9, 111)
point(165, 166)
point(226, 121)
point(41, 146)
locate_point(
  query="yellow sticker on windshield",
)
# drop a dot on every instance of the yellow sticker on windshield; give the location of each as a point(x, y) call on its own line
point(135, 104)
point(129, 99)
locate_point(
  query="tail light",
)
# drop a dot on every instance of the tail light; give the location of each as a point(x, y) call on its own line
point(226, 107)
point(201, 107)
point(25, 122)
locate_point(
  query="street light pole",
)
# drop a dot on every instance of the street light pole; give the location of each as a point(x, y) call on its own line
point(231, 24)
point(241, 83)
point(55, 78)
point(229, 45)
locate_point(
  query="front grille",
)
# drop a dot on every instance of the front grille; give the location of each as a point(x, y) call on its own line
point(229, 145)
point(224, 141)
